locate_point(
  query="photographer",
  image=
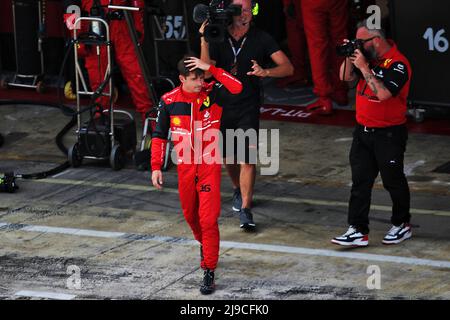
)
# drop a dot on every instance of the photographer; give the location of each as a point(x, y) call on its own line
point(379, 139)
point(243, 53)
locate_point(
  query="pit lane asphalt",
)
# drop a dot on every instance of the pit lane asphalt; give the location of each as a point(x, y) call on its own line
point(129, 241)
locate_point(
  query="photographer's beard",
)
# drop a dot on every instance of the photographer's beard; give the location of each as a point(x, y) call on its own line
point(370, 52)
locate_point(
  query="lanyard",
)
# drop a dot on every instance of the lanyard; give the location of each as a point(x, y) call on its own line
point(236, 52)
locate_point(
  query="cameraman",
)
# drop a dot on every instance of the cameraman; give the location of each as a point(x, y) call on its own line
point(379, 139)
point(242, 53)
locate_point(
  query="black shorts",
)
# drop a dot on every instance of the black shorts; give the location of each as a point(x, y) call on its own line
point(245, 146)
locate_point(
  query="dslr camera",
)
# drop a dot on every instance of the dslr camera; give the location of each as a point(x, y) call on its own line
point(220, 14)
point(347, 49)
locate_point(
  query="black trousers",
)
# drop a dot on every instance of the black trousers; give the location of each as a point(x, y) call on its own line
point(374, 151)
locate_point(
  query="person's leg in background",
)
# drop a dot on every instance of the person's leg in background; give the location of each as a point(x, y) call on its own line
point(128, 63)
point(390, 156)
point(338, 32)
point(234, 171)
point(296, 39)
point(241, 171)
point(96, 59)
point(316, 22)
point(228, 122)
point(249, 123)
point(96, 65)
point(364, 171)
point(247, 177)
point(390, 149)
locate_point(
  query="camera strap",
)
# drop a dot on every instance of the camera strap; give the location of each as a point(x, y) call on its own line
point(235, 53)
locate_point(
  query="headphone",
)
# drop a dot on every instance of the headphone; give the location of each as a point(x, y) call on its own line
point(255, 7)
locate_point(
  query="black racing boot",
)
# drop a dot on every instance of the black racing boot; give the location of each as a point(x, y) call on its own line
point(208, 285)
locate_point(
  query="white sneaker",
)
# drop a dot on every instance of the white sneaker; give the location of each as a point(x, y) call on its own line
point(398, 234)
point(352, 238)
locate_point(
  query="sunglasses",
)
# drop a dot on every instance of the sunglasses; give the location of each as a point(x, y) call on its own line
point(367, 40)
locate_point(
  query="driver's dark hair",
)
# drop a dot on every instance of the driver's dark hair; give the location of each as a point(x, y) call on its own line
point(184, 71)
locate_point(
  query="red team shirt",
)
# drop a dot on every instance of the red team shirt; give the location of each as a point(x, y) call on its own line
point(394, 70)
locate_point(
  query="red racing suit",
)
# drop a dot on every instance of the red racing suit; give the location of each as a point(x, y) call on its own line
point(194, 121)
point(325, 23)
point(124, 54)
point(296, 36)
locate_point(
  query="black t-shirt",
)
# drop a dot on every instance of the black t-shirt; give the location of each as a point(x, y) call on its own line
point(258, 46)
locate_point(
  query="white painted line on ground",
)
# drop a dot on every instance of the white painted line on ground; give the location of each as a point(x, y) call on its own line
point(245, 246)
point(44, 294)
point(343, 139)
point(440, 182)
point(336, 254)
point(62, 173)
point(327, 203)
point(410, 167)
point(74, 231)
point(121, 186)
